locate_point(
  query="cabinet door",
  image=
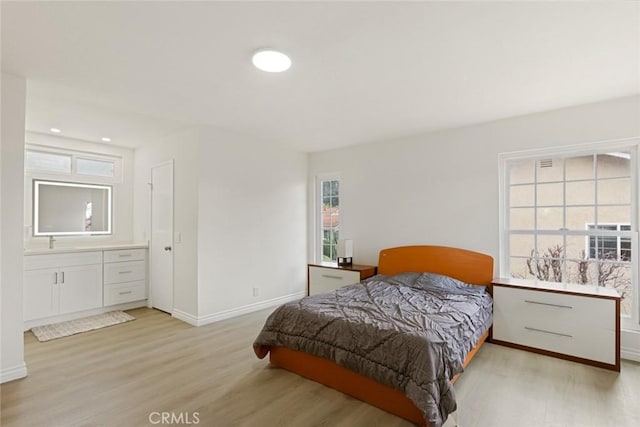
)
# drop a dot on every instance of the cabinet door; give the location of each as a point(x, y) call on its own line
point(40, 293)
point(80, 288)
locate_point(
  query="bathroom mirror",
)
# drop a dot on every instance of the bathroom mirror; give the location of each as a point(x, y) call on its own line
point(69, 208)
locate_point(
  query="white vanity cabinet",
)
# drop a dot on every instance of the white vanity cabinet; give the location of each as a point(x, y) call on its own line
point(62, 283)
point(65, 284)
point(124, 276)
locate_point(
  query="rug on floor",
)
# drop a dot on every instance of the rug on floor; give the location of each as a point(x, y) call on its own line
point(72, 327)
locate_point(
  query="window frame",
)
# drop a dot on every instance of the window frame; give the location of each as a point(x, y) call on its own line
point(73, 175)
point(319, 230)
point(632, 145)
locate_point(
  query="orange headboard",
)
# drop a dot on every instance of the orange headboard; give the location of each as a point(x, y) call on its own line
point(467, 266)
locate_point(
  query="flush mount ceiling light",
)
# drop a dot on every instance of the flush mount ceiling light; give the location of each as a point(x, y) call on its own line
point(105, 139)
point(55, 130)
point(271, 61)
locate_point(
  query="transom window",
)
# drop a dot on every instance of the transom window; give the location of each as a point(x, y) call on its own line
point(571, 217)
point(75, 165)
point(39, 161)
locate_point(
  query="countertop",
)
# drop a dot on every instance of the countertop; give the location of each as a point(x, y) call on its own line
point(70, 249)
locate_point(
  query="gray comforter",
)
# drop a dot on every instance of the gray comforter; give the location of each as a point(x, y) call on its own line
point(411, 331)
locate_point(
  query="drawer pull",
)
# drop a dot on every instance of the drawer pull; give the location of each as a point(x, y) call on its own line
point(125, 272)
point(328, 276)
point(548, 332)
point(546, 303)
point(124, 255)
point(124, 293)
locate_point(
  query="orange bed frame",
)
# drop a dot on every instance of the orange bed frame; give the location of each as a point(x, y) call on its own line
point(467, 266)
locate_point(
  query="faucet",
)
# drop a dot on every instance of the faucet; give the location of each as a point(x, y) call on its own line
point(51, 240)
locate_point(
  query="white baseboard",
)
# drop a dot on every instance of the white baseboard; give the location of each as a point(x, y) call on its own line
point(234, 312)
point(13, 373)
point(630, 344)
point(185, 317)
point(28, 324)
point(630, 354)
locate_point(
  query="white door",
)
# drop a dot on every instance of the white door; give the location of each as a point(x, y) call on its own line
point(161, 246)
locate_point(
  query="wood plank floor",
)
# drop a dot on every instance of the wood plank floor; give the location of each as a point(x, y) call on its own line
point(119, 376)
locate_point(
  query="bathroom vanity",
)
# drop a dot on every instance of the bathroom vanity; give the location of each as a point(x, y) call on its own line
point(67, 283)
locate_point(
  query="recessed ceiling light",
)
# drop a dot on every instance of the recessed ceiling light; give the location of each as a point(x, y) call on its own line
point(55, 130)
point(105, 139)
point(271, 61)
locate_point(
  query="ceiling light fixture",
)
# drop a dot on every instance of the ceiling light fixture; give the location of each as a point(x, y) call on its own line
point(105, 139)
point(271, 61)
point(55, 130)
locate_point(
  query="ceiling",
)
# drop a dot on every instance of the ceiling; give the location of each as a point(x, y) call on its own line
point(362, 71)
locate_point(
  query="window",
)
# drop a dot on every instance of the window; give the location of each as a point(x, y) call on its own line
point(95, 167)
point(609, 247)
point(43, 162)
point(571, 217)
point(328, 218)
point(47, 162)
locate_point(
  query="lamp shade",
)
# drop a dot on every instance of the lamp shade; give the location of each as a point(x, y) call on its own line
point(345, 248)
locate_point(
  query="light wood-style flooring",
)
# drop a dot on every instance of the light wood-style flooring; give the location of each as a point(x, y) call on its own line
point(122, 375)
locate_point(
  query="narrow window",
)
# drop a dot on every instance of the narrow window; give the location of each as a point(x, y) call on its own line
point(329, 219)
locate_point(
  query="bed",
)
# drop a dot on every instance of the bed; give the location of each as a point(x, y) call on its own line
point(405, 274)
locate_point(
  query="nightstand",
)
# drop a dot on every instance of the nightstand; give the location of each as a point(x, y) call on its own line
point(326, 277)
point(572, 322)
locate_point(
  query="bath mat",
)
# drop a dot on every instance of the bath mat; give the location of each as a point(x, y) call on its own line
point(72, 327)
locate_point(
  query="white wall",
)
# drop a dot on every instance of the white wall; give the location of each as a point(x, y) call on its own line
point(442, 188)
point(251, 224)
point(12, 364)
point(122, 215)
point(182, 147)
point(240, 208)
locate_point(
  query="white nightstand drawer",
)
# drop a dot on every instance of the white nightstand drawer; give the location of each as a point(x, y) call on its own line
point(119, 272)
point(323, 279)
point(125, 292)
point(124, 255)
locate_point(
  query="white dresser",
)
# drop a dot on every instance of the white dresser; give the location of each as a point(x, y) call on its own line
point(64, 284)
point(567, 321)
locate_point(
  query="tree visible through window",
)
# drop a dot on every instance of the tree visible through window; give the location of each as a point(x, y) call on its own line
point(330, 218)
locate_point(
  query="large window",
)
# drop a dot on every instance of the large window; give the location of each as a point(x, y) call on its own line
point(571, 217)
point(329, 218)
